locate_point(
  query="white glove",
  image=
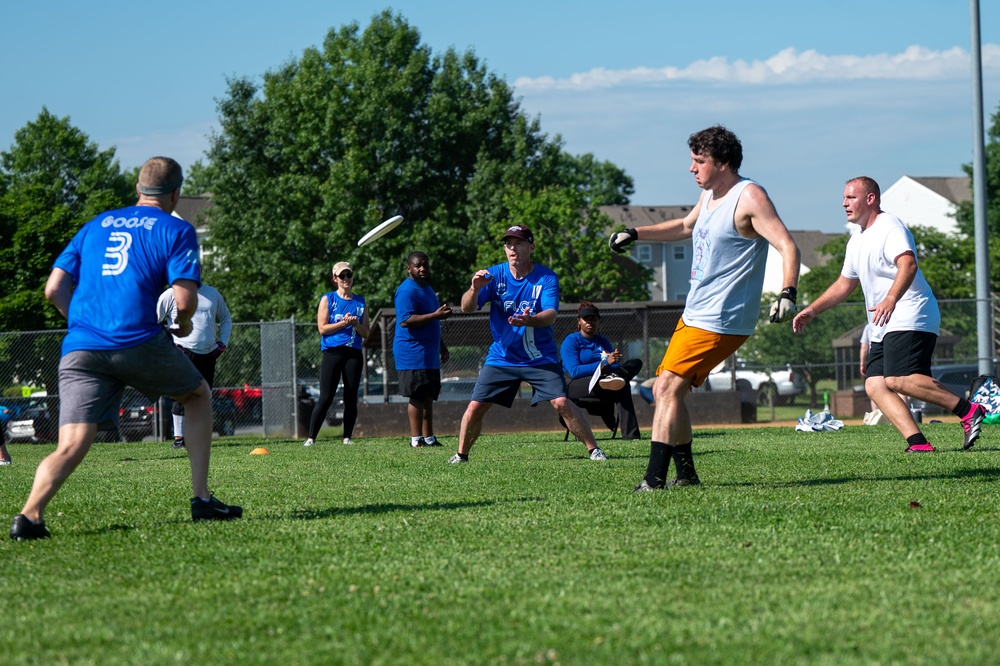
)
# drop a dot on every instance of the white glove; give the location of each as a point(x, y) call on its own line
point(784, 307)
point(619, 239)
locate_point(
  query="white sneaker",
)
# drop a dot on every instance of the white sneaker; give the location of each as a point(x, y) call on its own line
point(457, 460)
point(5, 462)
point(347, 440)
point(597, 454)
point(612, 382)
point(308, 442)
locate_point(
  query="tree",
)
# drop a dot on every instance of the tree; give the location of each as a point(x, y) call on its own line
point(52, 180)
point(965, 215)
point(368, 126)
point(582, 260)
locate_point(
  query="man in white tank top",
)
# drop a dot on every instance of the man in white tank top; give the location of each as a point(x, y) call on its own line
point(730, 228)
point(902, 313)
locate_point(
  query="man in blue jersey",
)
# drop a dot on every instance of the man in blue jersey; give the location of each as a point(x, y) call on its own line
point(417, 349)
point(106, 283)
point(524, 303)
point(730, 228)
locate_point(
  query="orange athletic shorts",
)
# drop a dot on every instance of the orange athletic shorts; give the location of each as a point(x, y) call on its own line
point(694, 352)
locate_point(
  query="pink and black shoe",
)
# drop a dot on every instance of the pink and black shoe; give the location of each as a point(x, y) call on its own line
point(972, 425)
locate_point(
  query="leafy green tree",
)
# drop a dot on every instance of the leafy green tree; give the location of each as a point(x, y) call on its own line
point(198, 179)
point(965, 215)
point(53, 179)
point(371, 125)
point(581, 259)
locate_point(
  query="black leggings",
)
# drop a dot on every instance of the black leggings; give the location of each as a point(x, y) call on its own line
point(339, 363)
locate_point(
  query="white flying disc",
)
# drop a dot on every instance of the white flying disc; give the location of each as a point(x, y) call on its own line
point(381, 230)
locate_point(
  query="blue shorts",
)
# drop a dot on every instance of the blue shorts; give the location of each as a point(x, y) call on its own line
point(91, 382)
point(499, 384)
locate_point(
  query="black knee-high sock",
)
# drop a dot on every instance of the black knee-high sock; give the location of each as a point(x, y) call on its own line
point(684, 461)
point(659, 464)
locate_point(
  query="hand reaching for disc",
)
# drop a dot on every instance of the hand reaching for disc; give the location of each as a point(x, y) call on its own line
point(520, 318)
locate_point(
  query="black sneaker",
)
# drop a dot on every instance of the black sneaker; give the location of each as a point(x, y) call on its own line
point(644, 487)
point(23, 529)
point(436, 442)
point(178, 443)
point(213, 509)
point(680, 483)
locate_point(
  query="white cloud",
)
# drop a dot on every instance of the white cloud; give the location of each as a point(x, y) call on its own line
point(786, 66)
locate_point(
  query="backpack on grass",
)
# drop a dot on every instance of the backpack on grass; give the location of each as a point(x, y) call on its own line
point(985, 391)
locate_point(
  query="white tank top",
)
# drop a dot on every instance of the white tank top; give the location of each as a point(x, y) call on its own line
point(727, 272)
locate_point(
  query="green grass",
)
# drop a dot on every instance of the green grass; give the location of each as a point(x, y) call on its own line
point(820, 548)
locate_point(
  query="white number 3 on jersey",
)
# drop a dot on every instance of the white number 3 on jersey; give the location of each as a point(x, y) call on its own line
point(117, 253)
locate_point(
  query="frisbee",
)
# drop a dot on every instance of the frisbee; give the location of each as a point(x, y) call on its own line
point(381, 230)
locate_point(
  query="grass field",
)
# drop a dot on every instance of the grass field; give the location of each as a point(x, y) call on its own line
point(820, 548)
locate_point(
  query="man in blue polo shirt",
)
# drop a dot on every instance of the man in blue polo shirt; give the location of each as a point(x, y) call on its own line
point(417, 348)
point(524, 304)
point(106, 283)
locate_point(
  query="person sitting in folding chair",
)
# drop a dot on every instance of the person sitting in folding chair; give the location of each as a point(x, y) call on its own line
point(586, 350)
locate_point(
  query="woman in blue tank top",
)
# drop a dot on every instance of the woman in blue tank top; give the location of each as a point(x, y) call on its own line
point(342, 319)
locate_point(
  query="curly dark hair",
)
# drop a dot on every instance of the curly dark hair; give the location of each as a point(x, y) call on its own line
point(720, 144)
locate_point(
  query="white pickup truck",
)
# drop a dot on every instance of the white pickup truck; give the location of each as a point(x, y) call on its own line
point(783, 384)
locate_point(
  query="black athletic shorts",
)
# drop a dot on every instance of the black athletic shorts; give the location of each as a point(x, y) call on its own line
point(900, 354)
point(420, 384)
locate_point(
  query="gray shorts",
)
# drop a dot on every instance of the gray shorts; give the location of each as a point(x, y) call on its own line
point(499, 384)
point(91, 382)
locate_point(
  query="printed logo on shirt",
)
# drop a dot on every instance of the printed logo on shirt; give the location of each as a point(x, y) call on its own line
point(129, 222)
point(702, 247)
point(117, 253)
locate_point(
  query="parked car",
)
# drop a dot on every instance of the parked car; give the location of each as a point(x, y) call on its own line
point(247, 402)
point(29, 420)
point(783, 384)
point(956, 378)
point(136, 416)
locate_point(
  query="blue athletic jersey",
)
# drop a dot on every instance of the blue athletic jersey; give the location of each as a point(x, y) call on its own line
point(348, 336)
point(120, 262)
point(520, 345)
point(416, 348)
point(580, 356)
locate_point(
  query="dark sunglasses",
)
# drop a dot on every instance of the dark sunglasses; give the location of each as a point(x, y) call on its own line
point(346, 275)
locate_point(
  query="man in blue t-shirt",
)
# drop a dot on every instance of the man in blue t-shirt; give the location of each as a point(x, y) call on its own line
point(106, 283)
point(417, 348)
point(524, 303)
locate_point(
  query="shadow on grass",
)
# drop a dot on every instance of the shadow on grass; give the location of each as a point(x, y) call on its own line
point(980, 474)
point(376, 509)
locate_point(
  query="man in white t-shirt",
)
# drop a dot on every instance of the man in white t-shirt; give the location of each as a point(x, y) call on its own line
point(903, 315)
point(212, 325)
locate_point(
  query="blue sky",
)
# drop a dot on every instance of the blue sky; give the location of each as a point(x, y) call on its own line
point(818, 91)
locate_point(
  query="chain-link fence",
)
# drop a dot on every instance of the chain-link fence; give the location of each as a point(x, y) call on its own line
point(268, 379)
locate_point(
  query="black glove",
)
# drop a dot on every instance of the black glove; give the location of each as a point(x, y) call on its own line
point(784, 307)
point(619, 239)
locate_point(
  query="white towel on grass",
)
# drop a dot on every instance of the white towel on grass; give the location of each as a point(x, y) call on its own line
point(818, 422)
